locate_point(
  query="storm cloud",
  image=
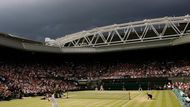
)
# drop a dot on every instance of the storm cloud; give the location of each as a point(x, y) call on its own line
point(37, 19)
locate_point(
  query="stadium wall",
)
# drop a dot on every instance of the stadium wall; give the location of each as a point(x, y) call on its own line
point(126, 83)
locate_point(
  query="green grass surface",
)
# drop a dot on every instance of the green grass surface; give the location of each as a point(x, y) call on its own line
point(102, 99)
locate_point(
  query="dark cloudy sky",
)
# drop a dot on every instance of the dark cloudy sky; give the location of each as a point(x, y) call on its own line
point(38, 19)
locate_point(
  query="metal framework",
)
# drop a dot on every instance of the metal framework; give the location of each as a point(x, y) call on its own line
point(127, 33)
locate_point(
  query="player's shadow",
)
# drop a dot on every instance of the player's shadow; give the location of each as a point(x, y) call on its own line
point(153, 98)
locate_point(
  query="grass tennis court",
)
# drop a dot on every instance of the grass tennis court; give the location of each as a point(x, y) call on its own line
point(102, 99)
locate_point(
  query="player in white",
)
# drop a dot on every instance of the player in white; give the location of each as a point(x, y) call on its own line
point(101, 88)
point(53, 101)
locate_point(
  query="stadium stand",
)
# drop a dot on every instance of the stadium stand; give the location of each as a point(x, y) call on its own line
point(30, 68)
point(29, 79)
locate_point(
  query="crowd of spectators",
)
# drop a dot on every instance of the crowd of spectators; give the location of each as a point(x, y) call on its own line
point(4, 92)
point(18, 80)
point(183, 86)
point(180, 68)
point(26, 79)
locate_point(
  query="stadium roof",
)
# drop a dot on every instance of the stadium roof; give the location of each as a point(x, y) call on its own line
point(149, 33)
